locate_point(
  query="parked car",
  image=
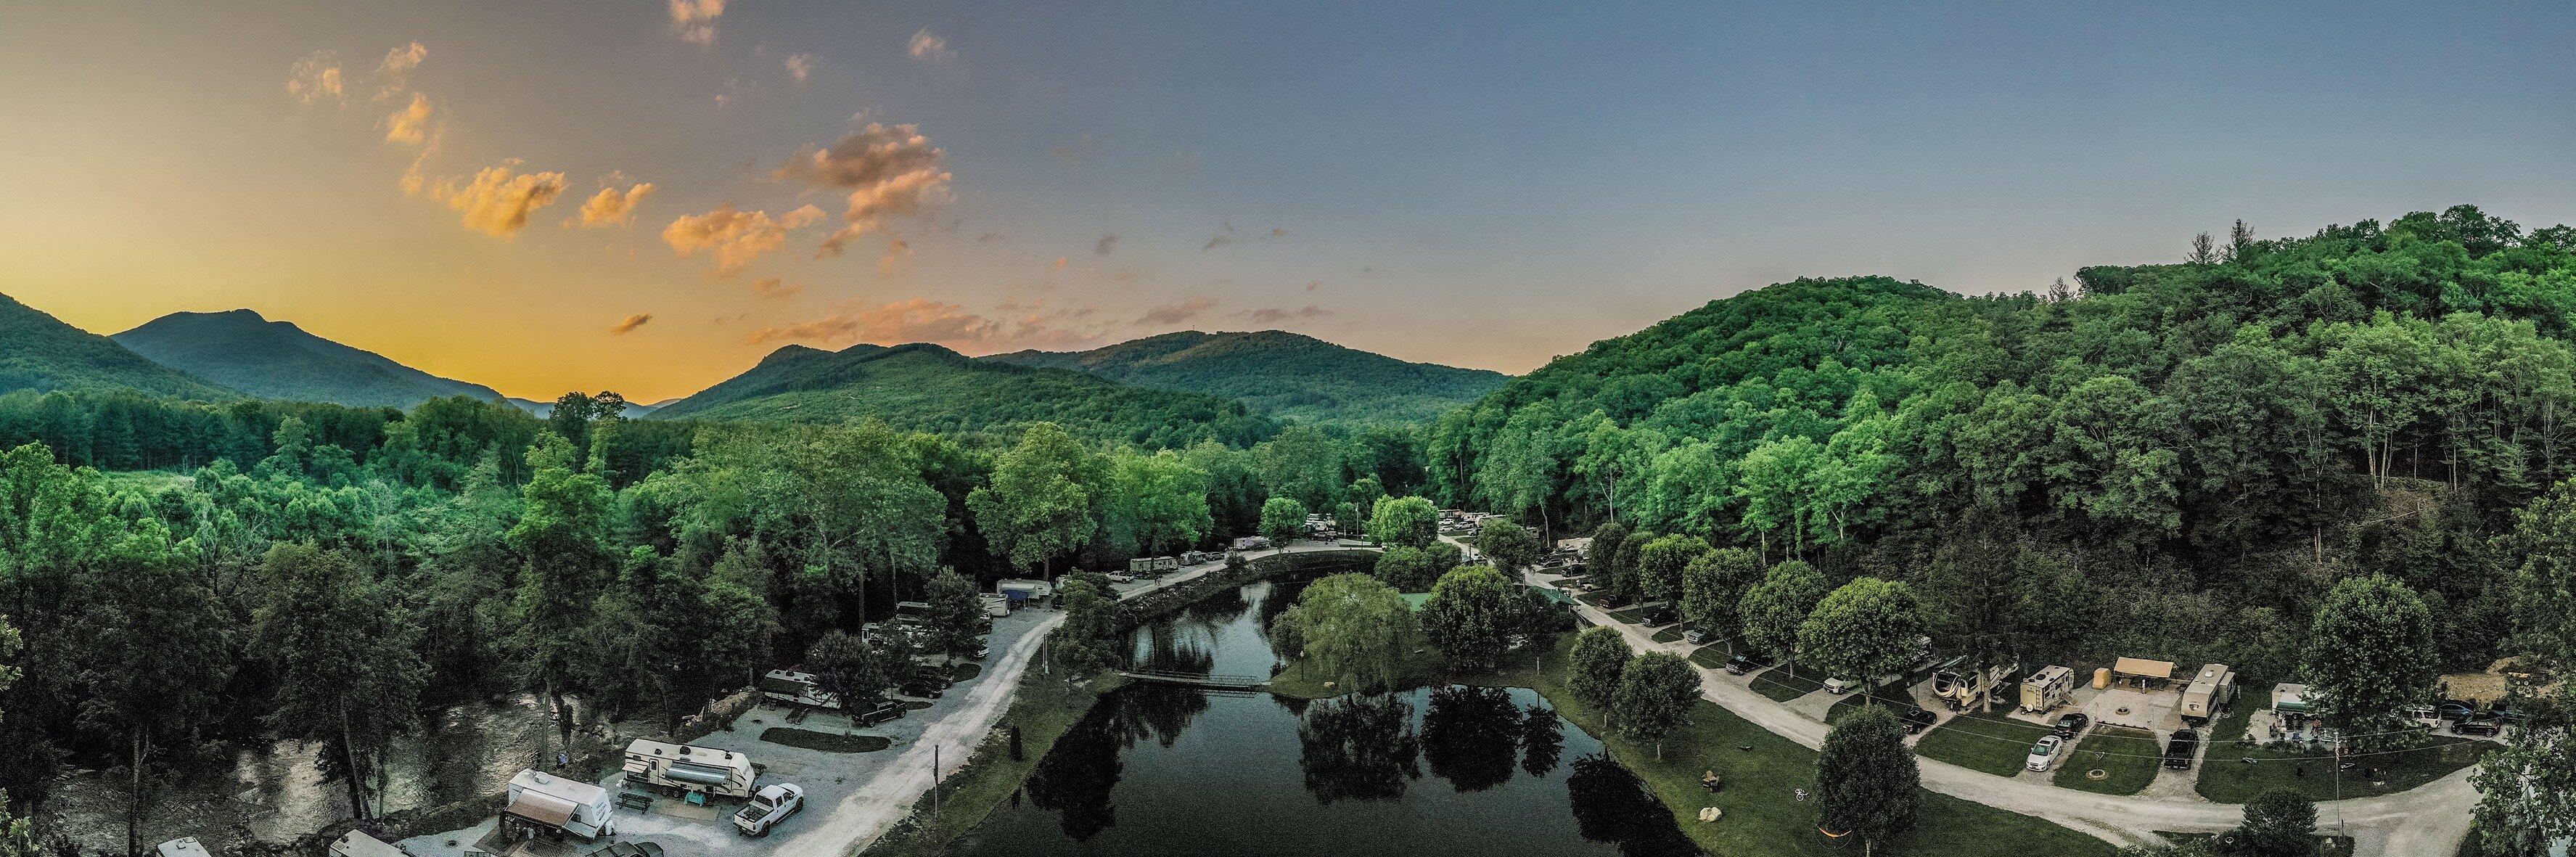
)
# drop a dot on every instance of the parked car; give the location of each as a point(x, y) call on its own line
point(2477, 727)
point(2453, 709)
point(772, 805)
point(2179, 750)
point(1918, 719)
point(2072, 723)
point(1840, 686)
point(2044, 755)
point(1694, 637)
point(1746, 662)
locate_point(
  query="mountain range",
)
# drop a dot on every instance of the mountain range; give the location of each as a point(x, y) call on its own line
point(40, 352)
point(278, 360)
point(1278, 372)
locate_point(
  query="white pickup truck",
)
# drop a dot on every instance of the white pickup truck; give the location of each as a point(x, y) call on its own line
point(772, 805)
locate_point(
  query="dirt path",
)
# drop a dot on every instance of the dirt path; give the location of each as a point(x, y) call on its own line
point(2429, 820)
point(856, 822)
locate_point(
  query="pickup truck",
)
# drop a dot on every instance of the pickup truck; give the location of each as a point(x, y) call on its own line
point(2179, 750)
point(769, 807)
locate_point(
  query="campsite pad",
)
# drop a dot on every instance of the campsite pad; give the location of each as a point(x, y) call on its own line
point(2152, 710)
point(682, 809)
point(782, 769)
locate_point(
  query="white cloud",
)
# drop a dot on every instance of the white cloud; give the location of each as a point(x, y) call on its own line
point(611, 207)
point(931, 48)
point(800, 66)
point(394, 74)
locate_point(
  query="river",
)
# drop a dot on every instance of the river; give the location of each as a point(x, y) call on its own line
point(1456, 770)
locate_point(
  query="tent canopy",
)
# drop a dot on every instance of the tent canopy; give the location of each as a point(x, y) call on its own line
point(2143, 668)
point(541, 808)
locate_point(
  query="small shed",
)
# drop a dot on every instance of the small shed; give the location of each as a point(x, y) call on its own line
point(2145, 673)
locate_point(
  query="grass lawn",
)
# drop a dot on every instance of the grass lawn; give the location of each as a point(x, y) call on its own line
point(1989, 743)
point(2226, 778)
point(1668, 634)
point(1780, 686)
point(828, 742)
point(2130, 758)
point(1630, 616)
point(1891, 695)
point(1762, 814)
point(1713, 655)
point(1044, 709)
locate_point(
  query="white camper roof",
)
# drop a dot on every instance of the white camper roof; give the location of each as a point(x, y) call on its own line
point(185, 846)
point(570, 790)
point(356, 843)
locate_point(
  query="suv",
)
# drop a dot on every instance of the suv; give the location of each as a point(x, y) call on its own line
point(2178, 752)
point(2071, 723)
point(1917, 720)
point(772, 805)
point(2043, 755)
point(2477, 727)
point(1745, 663)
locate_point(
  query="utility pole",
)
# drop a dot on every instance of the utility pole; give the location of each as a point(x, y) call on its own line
point(934, 781)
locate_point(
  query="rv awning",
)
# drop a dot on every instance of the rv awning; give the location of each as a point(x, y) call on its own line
point(2143, 668)
point(543, 809)
point(702, 775)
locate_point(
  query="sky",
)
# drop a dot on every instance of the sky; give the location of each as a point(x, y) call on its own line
point(648, 196)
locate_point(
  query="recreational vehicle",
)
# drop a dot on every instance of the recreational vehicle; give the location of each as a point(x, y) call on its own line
point(1153, 566)
point(2047, 689)
point(545, 803)
point(791, 687)
point(185, 846)
point(2209, 692)
point(681, 768)
point(1962, 687)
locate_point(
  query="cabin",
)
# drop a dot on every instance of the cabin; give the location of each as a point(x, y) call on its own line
point(550, 805)
point(2212, 690)
point(681, 769)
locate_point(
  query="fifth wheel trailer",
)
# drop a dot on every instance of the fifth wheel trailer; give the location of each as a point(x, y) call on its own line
point(2212, 690)
point(2047, 689)
point(683, 768)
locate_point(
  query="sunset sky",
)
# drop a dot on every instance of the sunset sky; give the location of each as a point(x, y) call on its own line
point(1477, 184)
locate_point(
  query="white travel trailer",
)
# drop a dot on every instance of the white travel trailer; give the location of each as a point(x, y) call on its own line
point(2209, 692)
point(2047, 689)
point(683, 768)
point(545, 803)
point(791, 687)
point(185, 846)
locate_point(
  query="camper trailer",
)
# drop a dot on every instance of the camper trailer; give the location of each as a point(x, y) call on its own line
point(1962, 687)
point(2213, 690)
point(2047, 689)
point(1153, 566)
point(185, 846)
point(679, 768)
point(790, 687)
point(356, 843)
point(544, 804)
point(1021, 591)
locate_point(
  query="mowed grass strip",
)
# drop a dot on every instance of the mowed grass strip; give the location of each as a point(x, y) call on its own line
point(1985, 742)
point(1762, 813)
point(2129, 758)
point(1713, 655)
point(2226, 777)
point(1781, 686)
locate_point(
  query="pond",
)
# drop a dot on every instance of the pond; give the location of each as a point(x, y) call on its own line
point(1454, 770)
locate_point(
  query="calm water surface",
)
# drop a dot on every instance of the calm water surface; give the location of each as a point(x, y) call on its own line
point(1156, 770)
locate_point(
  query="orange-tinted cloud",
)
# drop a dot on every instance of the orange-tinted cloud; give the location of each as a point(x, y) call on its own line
point(929, 47)
point(409, 124)
point(1178, 312)
point(775, 287)
point(925, 320)
point(394, 74)
point(497, 202)
point(696, 19)
point(609, 207)
point(735, 237)
point(630, 324)
point(314, 78)
point(1274, 315)
point(888, 170)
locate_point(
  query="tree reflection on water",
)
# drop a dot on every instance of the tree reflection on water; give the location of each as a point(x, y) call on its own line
point(1611, 805)
point(1542, 740)
point(1471, 736)
point(1358, 748)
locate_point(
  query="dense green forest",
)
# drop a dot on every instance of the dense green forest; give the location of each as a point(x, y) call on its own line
point(929, 388)
point(1279, 373)
point(2182, 457)
point(40, 352)
point(278, 360)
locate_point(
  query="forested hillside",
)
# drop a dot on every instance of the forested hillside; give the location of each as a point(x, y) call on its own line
point(278, 360)
point(40, 352)
point(1280, 373)
point(930, 388)
point(2171, 460)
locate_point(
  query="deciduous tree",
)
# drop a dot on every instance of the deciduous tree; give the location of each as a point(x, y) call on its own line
point(1470, 617)
point(1867, 782)
point(1655, 695)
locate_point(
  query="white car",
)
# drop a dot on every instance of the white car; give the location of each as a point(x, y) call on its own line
point(769, 807)
point(2044, 755)
point(1839, 686)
